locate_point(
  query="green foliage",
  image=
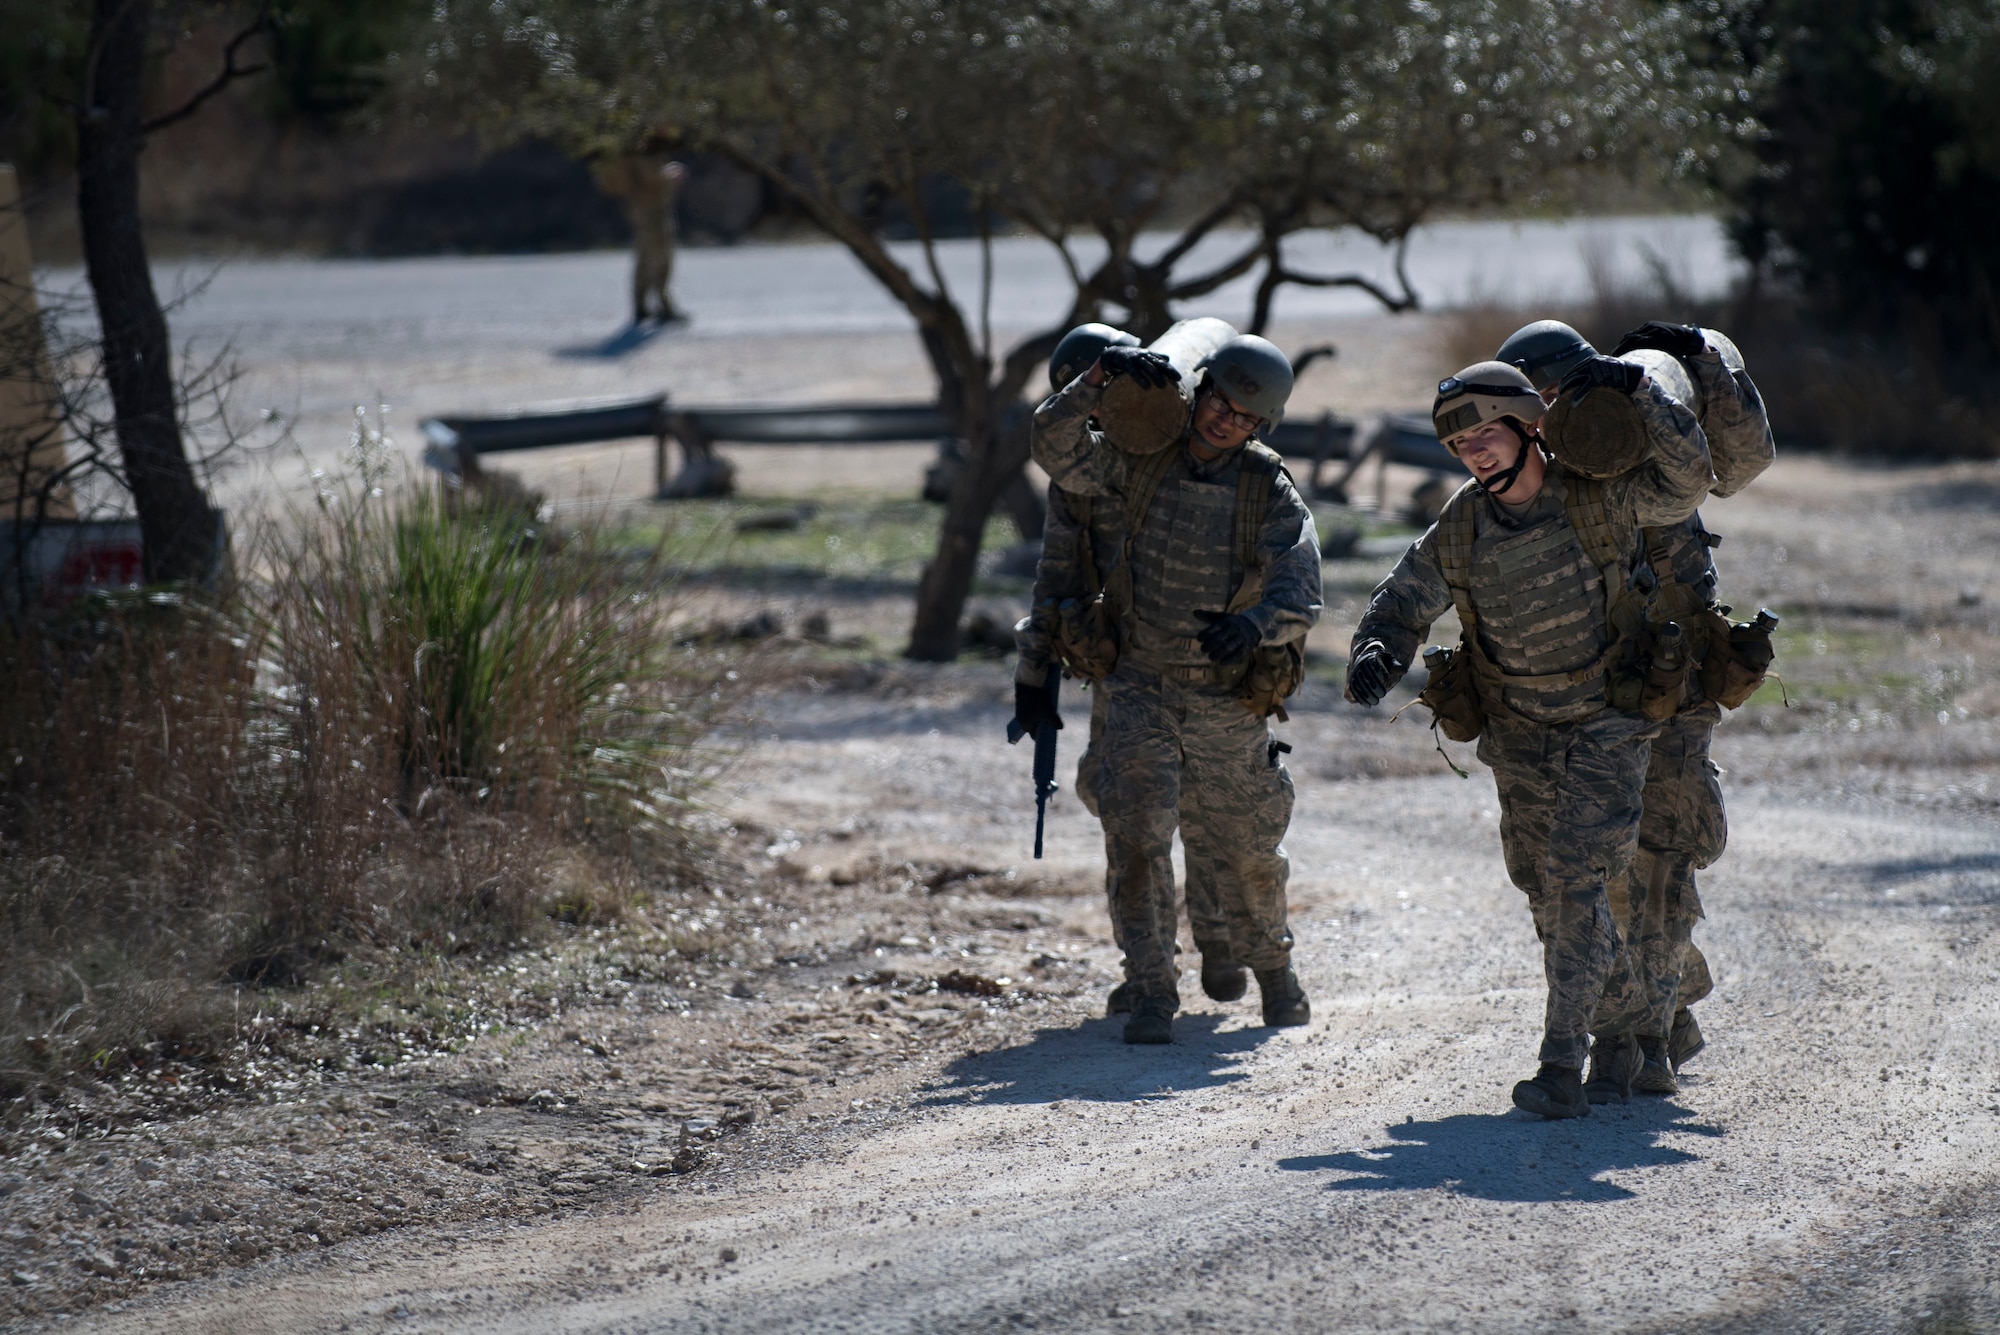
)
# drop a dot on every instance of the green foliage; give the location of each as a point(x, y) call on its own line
point(329, 57)
point(1873, 138)
point(419, 719)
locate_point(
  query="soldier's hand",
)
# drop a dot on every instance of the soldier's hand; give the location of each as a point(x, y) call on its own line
point(1601, 373)
point(1227, 637)
point(1150, 370)
point(1031, 709)
point(1371, 672)
point(1682, 340)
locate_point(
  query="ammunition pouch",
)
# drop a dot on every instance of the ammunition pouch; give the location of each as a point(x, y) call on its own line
point(1275, 672)
point(1452, 693)
point(1085, 637)
point(1739, 658)
point(1638, 682)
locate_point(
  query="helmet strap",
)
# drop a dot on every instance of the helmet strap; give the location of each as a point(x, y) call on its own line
point(1503, 481)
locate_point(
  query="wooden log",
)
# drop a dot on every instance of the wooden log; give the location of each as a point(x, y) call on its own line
point(1145, 421)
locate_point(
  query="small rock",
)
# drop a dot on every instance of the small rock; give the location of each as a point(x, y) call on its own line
point(1968, 596)
point(183, 1218)
point(98, 1263)
point(246, 1248)
point(386, 1100)
point(149, 1168)
point(435, 1193)
point(11, 1183)
point(212, 1213)
point(86, 1202)
point(457, 1156)
point(728, 1254)
point(23, 1278)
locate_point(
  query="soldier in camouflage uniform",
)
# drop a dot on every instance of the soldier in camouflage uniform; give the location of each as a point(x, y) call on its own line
point(1209, 564)
point(1684, 826)
point(1538, 561)
point(1207, 883)
point(1064, 573)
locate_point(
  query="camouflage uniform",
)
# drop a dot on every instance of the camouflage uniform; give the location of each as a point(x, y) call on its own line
point(1685, 827)
point(1569, 769)
point(1172, 723)
point(1060, 575)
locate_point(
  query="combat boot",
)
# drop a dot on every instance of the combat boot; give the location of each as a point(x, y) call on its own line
point(1686, 1040)
point(1223, 981)
point(1555, 1092)
point(1119, 1002)
point(1615, 1062)
point(1285, 1004)
point(1152, 1021)
point(1657, 1075)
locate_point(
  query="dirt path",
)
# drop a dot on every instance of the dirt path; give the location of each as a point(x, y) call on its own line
point(1829, 1167)
point(929, 1157)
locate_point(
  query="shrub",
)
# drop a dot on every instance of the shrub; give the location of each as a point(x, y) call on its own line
point(409, 716)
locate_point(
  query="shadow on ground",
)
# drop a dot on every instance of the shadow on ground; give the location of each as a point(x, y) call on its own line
point(1512, 1157)
point(1090, 1062)
point(621, 344)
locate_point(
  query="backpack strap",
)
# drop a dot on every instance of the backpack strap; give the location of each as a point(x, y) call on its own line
point(1255, 476)
point(1456, 530)
point(1607, 548)
point(1080, 510)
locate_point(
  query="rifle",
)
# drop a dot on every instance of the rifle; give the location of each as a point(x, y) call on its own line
point(1045, 752)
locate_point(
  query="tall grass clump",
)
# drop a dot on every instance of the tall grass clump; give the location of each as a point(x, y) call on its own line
point(409, 717)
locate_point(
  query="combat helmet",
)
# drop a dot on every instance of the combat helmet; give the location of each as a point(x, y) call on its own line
point(1545, 351)
point(1080, 347)
point(1252, 372)
point(1483, 392)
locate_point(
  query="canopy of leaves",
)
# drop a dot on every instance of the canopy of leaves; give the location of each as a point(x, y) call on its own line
point(1093, 116)
point(1874, 150)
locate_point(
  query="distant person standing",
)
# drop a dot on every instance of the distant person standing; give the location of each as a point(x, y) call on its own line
point(648, 188)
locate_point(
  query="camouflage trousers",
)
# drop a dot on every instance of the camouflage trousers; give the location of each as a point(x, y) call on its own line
point(1207, 884)
point(1684, 829)
point(1165, 742)
point(1569, 827)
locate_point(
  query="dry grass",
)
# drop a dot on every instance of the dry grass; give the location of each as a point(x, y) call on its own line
point(423, 727)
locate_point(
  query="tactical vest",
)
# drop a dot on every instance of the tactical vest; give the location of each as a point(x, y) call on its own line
point(1198, 541)
point(1552, 600)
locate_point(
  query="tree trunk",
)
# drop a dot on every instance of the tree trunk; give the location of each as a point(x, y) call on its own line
point(941, 594)
point(174, 520)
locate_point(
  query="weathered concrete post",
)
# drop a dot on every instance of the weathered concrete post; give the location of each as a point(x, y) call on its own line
point(1145, 421)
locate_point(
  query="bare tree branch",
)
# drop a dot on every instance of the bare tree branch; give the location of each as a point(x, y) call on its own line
point(229, 74)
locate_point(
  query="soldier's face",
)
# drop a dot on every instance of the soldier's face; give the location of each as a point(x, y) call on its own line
point(1218, 420)
point(1487, 449)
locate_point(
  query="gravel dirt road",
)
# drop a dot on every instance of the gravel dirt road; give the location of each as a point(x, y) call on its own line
point(1829, 1165)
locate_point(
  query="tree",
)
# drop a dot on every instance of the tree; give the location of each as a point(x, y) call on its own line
point(1093, 124)
point(1873, 163)
point(77, 83)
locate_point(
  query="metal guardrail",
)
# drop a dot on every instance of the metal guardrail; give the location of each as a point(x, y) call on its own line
point(456, 441)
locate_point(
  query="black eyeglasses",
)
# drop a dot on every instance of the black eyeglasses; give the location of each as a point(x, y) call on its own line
point(1242, 421)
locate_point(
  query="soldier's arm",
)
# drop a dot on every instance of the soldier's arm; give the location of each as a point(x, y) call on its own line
point(1289, 544)
point(1670, 485)
point(1404, 604)
point(1740, 445)
point(1058, 575)
point(1075, 457)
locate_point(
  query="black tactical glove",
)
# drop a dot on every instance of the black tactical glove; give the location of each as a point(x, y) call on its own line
point(1031, 709)
point(1605, 372)
point(1228, 637)
point(1150, 370)
point(1682, 340)
point(1371, 672)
